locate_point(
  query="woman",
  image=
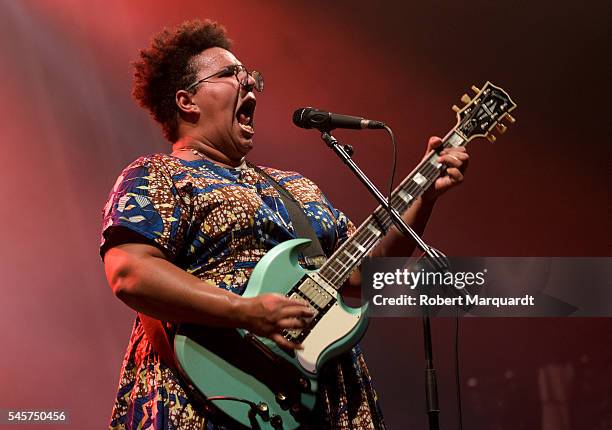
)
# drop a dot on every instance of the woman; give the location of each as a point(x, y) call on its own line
point(182, 232)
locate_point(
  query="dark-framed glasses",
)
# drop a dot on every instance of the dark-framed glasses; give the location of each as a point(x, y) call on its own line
point(242, 76)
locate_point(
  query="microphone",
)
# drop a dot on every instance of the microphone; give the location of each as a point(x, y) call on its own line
point(326, 121)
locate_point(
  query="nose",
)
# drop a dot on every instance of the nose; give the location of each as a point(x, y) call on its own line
point(249, 85)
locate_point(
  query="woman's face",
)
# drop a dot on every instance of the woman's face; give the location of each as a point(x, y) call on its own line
point(226, 108)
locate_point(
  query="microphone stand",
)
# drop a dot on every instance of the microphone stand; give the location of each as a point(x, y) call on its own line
point(434, 257)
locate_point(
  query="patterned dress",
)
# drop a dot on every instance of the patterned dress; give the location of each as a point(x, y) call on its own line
point(217, 223)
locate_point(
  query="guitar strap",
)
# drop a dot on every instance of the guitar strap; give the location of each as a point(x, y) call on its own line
point(313, 253)
point(313, 256)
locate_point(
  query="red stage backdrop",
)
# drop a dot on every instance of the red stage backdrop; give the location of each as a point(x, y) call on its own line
point(69, 126)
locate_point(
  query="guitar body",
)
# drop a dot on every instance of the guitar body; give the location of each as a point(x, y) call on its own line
point(235, 363)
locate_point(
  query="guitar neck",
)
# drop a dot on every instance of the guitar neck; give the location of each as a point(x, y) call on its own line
point(350, 254)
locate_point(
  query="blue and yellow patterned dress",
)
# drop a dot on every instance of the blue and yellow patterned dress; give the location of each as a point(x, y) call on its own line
point(217, 223)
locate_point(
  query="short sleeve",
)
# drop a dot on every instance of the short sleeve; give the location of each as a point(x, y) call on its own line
point(145, 206)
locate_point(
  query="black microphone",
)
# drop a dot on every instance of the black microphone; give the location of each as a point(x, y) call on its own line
point(325, 121)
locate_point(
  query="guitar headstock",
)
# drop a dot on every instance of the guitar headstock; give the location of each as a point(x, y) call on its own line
point(484, 112)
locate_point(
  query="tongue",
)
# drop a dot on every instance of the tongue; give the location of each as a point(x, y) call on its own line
point(243, 119)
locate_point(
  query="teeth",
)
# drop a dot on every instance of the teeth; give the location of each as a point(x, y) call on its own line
point(247, 128)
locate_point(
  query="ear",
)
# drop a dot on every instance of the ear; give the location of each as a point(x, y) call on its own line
point(184, 101)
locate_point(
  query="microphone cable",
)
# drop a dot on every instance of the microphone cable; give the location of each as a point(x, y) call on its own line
point(388, 129)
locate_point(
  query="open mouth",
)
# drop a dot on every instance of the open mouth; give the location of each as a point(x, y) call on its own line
point(245, 116)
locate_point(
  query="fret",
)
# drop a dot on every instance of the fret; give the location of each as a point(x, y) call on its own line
point(349, 255)
point(454, 138)
point(407, 198)
point(360, 248)
point(374, 229)
point(419, 179)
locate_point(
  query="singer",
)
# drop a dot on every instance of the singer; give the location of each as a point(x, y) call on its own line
point(182, 232)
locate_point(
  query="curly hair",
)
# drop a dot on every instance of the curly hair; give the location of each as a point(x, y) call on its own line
point(166, 67)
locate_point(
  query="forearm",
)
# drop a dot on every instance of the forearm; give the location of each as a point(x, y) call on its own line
point(395, 244)
point(156, 287)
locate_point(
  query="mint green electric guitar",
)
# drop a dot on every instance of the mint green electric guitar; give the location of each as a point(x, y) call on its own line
point(249, 380)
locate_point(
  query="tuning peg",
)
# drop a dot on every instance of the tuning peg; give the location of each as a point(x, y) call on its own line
point(491, 138)
point(475, 89)
point(456, 108)
point(510, 118)
point(501, 128)
point(466, 99)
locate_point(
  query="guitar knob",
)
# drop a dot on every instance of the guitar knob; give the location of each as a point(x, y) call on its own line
point(501, 128)
point(264, 412)
point(466, 99)
point(475, 89)
point(282, 400)
point(491, 138)
point(510, 118)
point(456, 108)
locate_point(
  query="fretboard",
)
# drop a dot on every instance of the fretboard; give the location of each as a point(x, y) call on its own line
point(350, 254)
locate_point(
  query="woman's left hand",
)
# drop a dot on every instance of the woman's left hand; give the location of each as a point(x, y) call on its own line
point(455, 159)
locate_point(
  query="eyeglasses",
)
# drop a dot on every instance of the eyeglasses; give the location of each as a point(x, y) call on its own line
point(242, 76)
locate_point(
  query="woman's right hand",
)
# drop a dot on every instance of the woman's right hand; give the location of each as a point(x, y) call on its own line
point(269, 314)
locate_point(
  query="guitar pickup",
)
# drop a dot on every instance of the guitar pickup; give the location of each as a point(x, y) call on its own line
point(314, 294)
